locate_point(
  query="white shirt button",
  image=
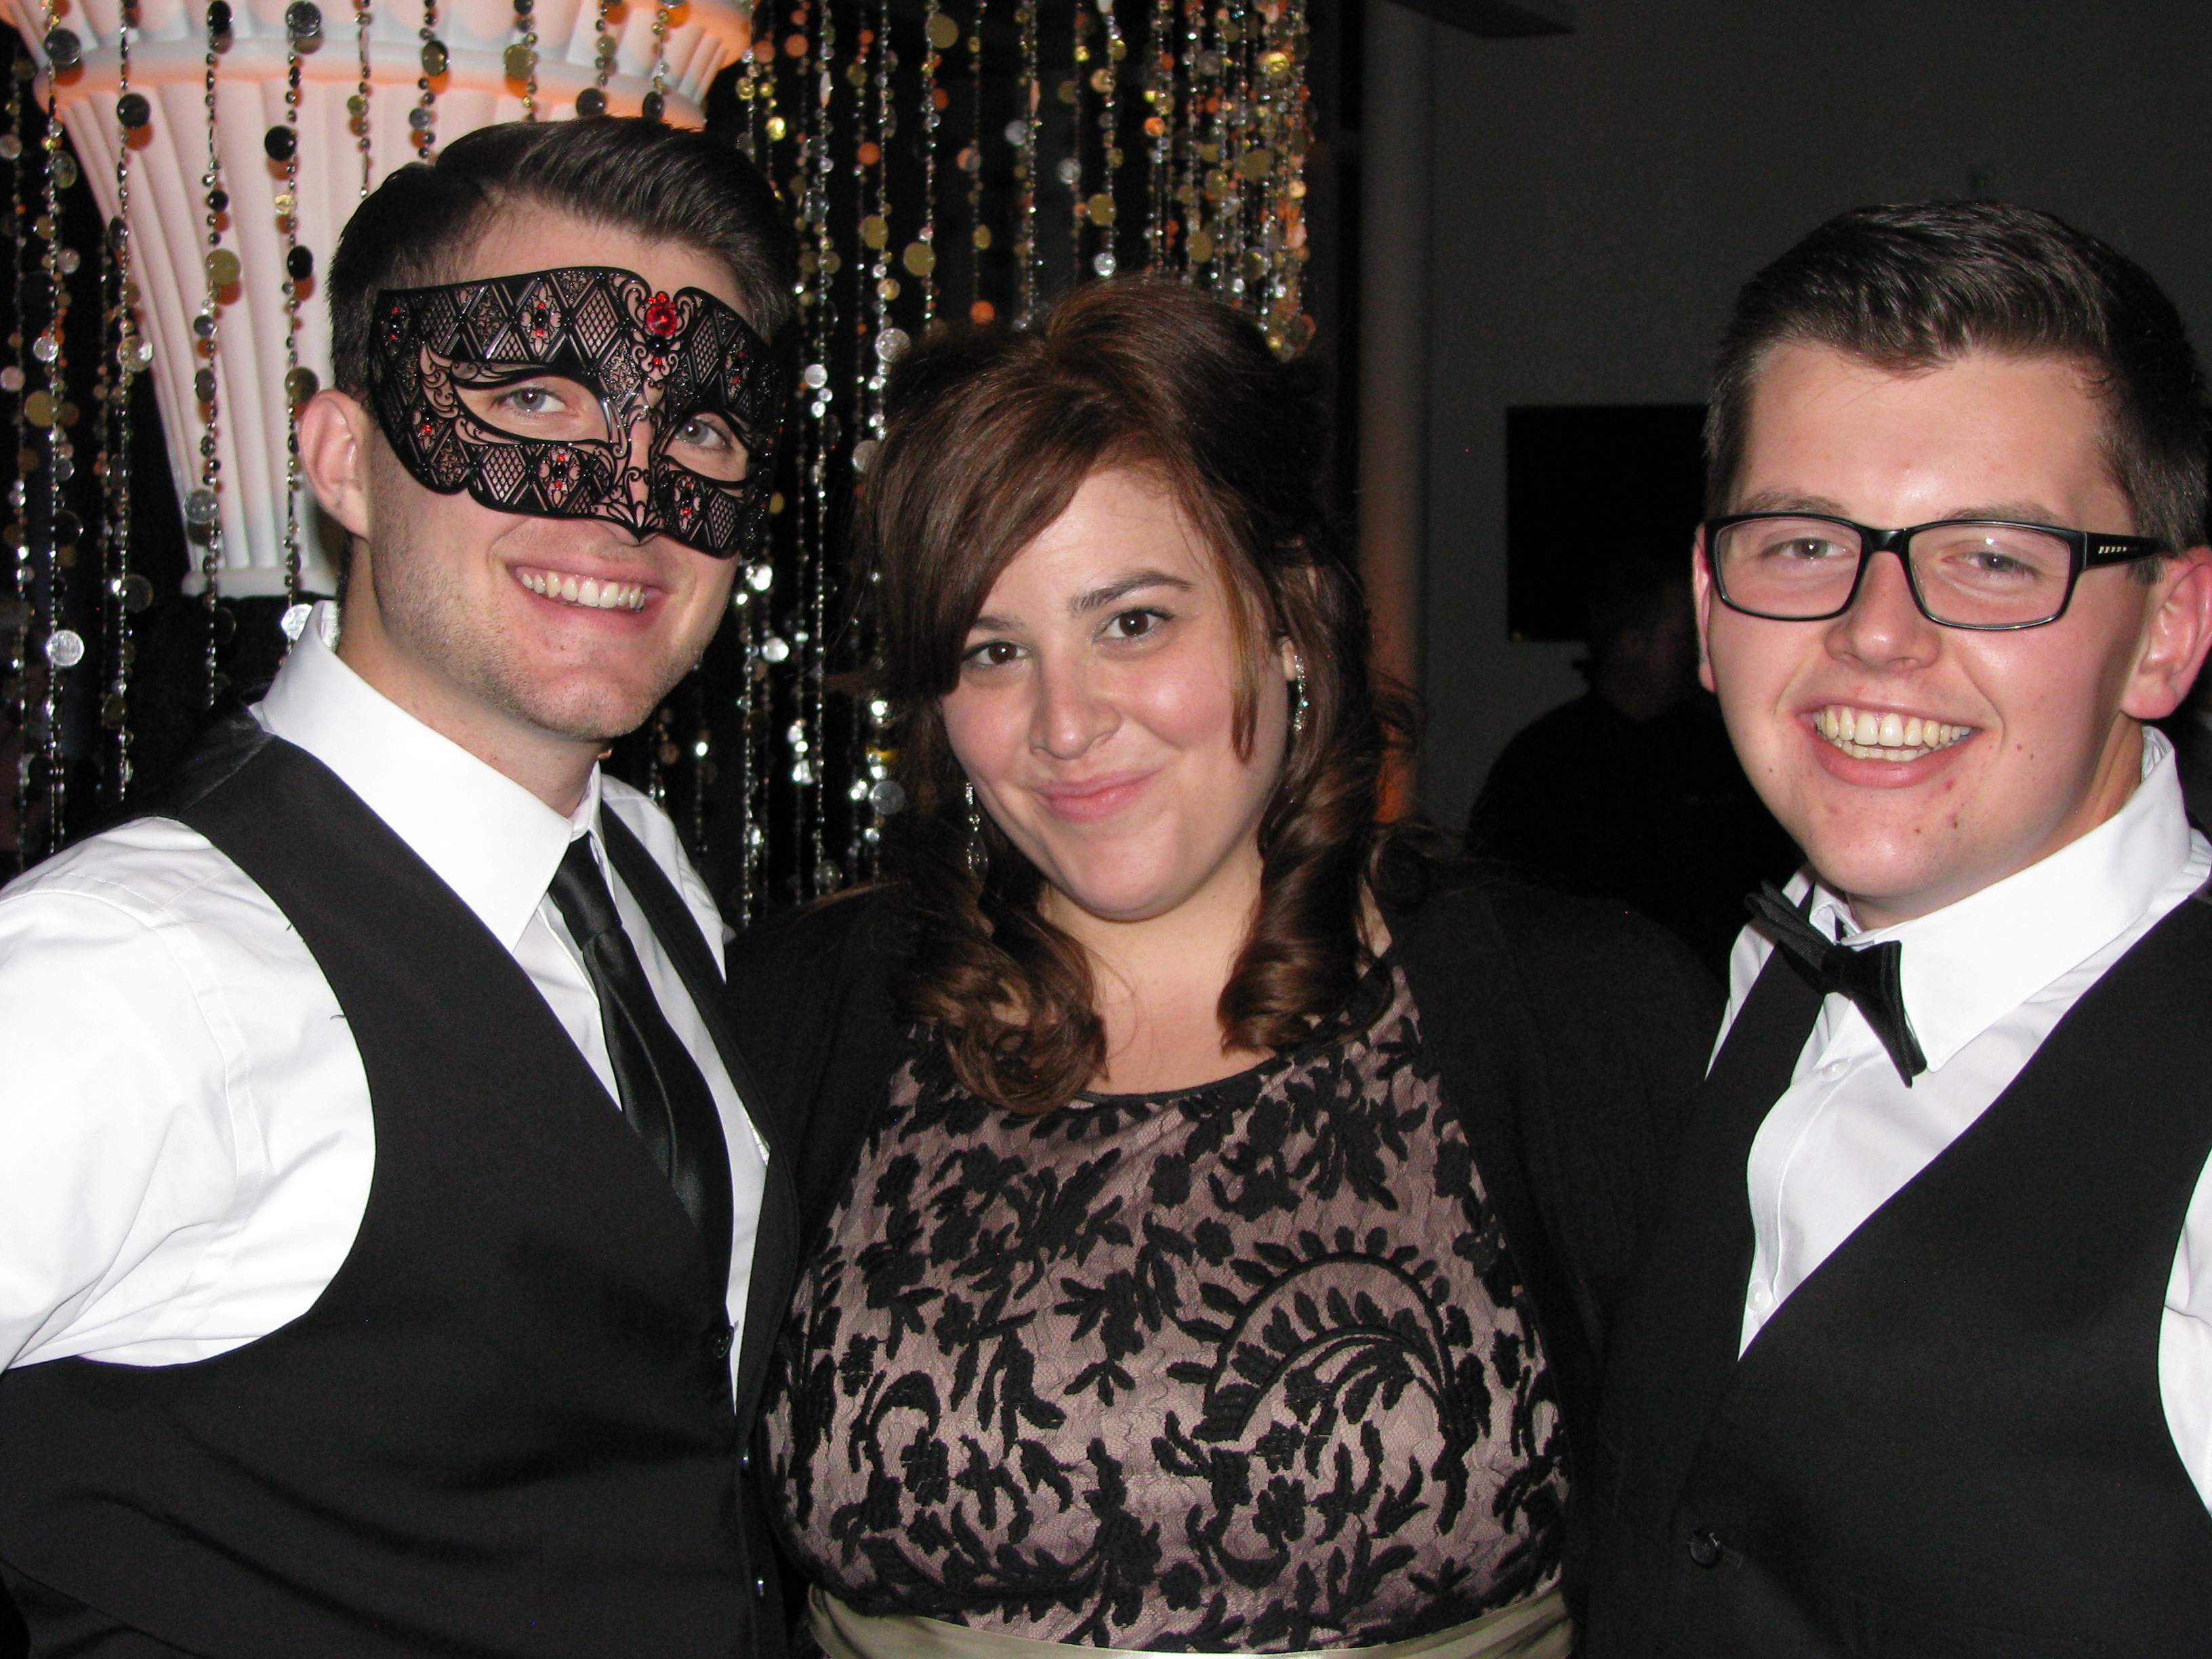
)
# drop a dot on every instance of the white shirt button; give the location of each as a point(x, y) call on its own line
point(1761, 1298)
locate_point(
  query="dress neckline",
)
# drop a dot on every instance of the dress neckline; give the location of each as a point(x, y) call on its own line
point(1370, 998)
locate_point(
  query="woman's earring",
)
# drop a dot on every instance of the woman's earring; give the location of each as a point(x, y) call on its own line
point(979, 857)
point(1297, 695)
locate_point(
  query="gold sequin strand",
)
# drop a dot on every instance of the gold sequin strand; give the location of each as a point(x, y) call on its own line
point(592, 100)
point(303, 25)
point(127, 592)
point(435, 60)
point(521, 60)
point(940, 34)
point(220, 270)
point(62, 646)
point(765, 128)
point(655, 104)
point(1238, 158)
point(802, 738)
point(358, 109)
point(15, 629)
point(1069, 169)
point(1159, 81)
point(1287, 133)
point(880, 342)
point(980, 310)
point(1196, 153)
point(1106, 83)
point(1025, 133)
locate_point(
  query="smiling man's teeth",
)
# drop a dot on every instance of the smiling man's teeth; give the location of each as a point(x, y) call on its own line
point(587, 592)
point(1867, 735)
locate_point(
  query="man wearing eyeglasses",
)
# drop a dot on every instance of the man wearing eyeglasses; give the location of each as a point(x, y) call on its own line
point(1921, 1361)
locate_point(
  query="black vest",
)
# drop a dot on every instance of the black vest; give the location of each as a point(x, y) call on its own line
point(506, 1426)
point(1949, 1439)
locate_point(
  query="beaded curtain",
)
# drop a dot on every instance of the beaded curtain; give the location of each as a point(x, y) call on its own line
point(942, 163)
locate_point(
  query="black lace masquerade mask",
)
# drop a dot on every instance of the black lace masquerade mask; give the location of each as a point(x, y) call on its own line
point(527, 390)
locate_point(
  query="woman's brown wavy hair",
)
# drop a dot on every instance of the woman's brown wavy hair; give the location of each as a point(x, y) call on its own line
point(990, 434)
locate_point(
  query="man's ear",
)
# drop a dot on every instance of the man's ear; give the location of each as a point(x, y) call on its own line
point(1701, 595)
point(2176, 637)
point(335, 433)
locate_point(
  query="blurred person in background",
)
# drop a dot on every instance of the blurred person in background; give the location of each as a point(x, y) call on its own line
point(1631, 790)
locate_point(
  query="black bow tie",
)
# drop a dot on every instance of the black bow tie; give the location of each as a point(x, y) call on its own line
point(1868, 975)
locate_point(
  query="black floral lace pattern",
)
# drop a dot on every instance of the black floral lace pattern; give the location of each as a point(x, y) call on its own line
point(1240, 1369)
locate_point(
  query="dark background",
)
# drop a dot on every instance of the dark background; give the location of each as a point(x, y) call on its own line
point(1598, 196)
point(1564, 516)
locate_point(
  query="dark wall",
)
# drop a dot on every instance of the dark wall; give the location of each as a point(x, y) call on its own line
point(1599, 197)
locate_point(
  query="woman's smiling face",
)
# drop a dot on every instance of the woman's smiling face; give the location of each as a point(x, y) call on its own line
point(1097, 709)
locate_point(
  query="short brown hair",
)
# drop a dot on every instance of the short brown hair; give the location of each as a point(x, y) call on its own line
point(1910, 287)
point(991, 432)
point(666, 184)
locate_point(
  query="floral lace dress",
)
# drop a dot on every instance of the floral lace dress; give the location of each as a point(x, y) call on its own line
point(1236, 1369)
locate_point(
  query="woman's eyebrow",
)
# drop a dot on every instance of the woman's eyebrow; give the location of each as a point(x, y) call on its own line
point(1098, 598)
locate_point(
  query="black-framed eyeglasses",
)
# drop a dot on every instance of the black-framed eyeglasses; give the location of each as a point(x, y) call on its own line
point(1989, 574)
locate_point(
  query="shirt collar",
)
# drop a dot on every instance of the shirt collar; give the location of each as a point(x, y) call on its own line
point(1966, 965)
point(487, 838)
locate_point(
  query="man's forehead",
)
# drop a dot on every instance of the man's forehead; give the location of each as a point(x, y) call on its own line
point(1834, 378)
point(516, 238)
point(1981, 435)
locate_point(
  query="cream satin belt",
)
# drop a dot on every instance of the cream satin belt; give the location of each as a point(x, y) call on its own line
point(1537, 1629)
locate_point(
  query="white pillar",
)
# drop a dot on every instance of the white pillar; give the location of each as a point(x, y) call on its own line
point(167, 202)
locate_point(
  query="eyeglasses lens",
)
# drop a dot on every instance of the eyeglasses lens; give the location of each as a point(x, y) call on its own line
point(1973, 575)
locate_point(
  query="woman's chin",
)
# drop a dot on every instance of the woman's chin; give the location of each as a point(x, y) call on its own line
point(1122, 896)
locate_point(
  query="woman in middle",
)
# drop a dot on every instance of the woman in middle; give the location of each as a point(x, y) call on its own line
point(1212, 1219)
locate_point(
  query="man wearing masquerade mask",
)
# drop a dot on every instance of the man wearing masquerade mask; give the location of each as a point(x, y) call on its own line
point(381, 1195)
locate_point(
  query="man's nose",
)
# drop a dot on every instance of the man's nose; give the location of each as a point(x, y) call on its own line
point(1072, 711)
point(641, 437)
point(1885, 626)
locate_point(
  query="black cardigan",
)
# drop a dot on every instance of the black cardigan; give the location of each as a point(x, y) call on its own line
point(1569, 1031)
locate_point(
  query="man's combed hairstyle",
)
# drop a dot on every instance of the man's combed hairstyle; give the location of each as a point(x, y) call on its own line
point(664, 184)
point(991, 432)
point(1913, 286)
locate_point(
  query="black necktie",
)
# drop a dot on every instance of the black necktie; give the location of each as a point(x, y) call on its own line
point(1868, 975)
point(662, 1093)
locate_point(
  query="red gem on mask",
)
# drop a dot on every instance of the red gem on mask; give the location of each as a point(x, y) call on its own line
point(684, 496)
point(661, 317)
point(556, 474)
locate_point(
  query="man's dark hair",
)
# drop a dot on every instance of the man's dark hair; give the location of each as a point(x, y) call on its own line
point(666, 184)
point(1912, 287)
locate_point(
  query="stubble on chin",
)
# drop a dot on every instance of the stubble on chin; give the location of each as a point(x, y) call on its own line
point(427, 608)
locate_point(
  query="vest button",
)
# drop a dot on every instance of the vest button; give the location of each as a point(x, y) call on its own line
point(1705, 1548)
point(718, 1344)
point(745, 1461)
point(760, 1590)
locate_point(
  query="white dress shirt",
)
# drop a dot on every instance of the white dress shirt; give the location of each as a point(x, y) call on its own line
point(1984, 980)
point(186, 1135)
